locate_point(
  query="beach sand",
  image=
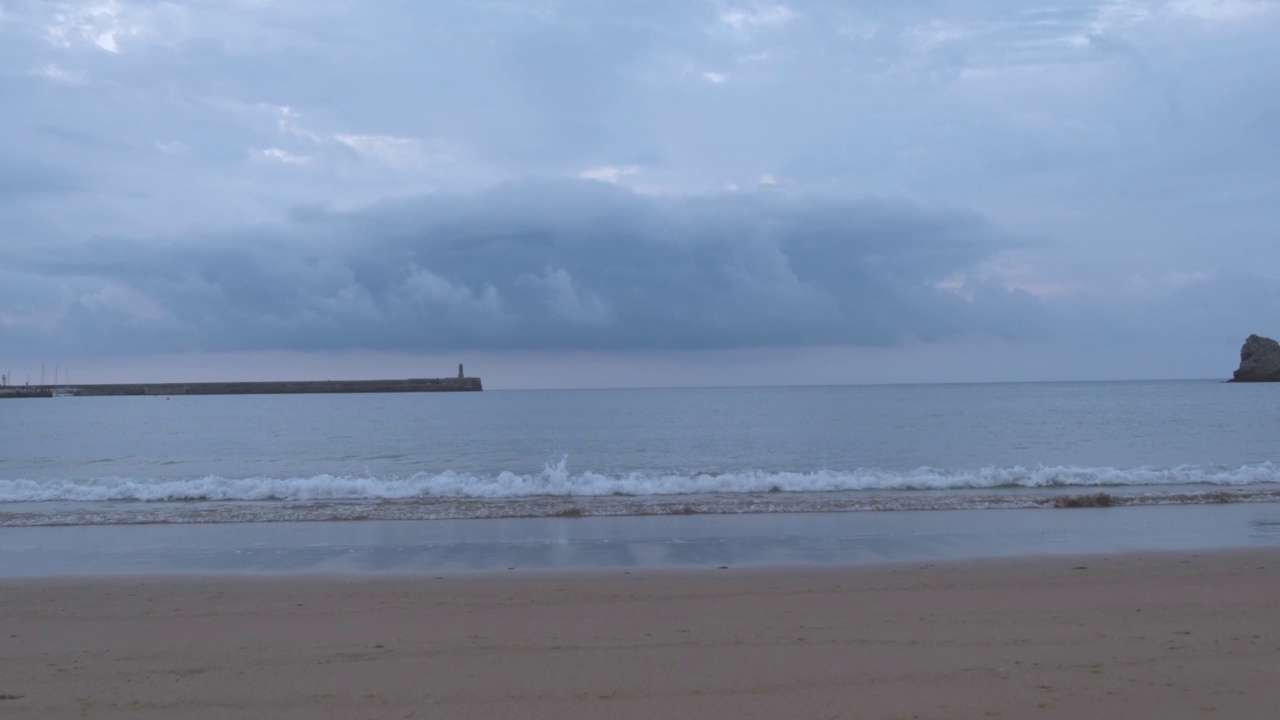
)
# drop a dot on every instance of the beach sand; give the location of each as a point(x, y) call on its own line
point(1153, 635)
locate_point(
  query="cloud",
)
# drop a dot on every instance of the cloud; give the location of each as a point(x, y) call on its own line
point(559, 265)
point(122, 304)
point(102, 24)
point(435, 293)
point(608, 173)
point(1222, 10)
point(396, 152)
point(1013, 277)
point(745, 20)
point(274, 155)
point(568, 300)
point(58, 75)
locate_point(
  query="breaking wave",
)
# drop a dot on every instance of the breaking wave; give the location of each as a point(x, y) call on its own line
point(557, 481)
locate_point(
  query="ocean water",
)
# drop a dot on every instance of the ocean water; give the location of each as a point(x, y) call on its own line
point(569, 453)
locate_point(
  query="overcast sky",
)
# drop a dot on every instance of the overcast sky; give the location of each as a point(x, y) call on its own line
point(656, 192)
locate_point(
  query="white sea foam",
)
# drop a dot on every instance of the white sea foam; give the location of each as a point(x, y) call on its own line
point(558, 481)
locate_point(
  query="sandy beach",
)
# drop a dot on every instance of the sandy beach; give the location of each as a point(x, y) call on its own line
point(1156, 635)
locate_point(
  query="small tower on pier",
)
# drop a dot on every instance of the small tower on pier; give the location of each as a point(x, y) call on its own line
point(460, 375)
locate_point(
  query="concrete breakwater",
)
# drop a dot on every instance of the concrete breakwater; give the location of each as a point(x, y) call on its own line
point(458, 384)
point(25, 391)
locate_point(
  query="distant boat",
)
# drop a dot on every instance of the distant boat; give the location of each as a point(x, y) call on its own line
point(63, 392)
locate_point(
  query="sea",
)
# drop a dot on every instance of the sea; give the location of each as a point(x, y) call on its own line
point(360, 458)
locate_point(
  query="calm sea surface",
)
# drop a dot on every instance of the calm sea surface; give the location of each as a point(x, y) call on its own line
point(634, 452)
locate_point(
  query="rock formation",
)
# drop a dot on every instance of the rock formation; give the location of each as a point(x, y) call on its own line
point(1259, 360)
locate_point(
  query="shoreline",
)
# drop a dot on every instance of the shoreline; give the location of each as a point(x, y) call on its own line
point(1173, 634)
point(631, 542)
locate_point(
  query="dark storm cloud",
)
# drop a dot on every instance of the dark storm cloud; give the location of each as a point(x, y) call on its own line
point(550, 265)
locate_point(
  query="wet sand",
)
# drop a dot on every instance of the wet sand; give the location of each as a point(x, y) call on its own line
point(1184, 634)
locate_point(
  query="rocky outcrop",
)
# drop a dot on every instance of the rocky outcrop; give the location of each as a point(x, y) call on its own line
point(1259, 360)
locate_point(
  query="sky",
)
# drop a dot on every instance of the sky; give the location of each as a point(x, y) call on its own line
point(637, 193)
